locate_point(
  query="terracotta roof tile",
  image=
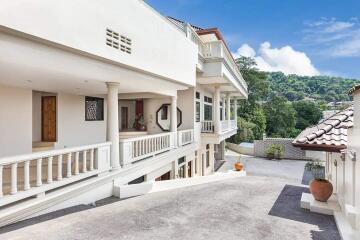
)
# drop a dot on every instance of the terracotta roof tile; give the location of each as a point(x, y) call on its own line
point(330, 133)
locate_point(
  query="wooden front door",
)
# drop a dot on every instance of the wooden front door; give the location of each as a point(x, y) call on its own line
point(189, 169)
point(48, 118)
point(124, 117)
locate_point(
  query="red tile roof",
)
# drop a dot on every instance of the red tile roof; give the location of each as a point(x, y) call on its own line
point(328, 135)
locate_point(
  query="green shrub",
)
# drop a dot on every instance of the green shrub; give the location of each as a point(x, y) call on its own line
point(275, 151)
point(317, 169)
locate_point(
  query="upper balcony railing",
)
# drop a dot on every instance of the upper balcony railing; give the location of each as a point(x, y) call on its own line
point(225, 125)
point(139, 148)
point(217, 49)
point(185, 137)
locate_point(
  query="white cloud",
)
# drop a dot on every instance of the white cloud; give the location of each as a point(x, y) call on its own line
point(338, 26)
point(285, 59)
point(349, 48)
point(334, 38)
point(246, 51)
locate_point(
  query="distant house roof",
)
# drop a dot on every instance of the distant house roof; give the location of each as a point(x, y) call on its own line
point(329, 135)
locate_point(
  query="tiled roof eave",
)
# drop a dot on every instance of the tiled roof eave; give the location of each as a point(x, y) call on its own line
point(320, 147)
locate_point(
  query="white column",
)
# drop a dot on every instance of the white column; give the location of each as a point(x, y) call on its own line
point(217, 109)
point(173, 119)
point(228, 107)
point(235, 109)
point(113, 123)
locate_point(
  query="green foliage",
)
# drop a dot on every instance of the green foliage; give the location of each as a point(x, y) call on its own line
point(316, 168)
point(275, 151)
point(283, 105)
point(319, 88)
point(307, 113)
point(280, 118)
point(245, 131)
point(259, 119)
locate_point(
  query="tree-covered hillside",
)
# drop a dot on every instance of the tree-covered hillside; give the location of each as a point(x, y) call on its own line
point(282, 105)
point(321, 88)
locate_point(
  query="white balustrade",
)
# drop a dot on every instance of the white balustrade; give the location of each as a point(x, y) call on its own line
point(185, 137)
point(34, 164)
point(217, 49)
point(207, 126)
point(224, 125)
point(233, 124)
point(59, 166)
point(134, 149)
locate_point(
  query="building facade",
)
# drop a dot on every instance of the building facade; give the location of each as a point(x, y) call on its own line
point(336, 141)
point(95, 95)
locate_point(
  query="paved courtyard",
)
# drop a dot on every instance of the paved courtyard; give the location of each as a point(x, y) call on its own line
point(292, 170)
point(253, 207)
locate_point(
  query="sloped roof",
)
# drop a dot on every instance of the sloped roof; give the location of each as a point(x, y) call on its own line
point(329, 135)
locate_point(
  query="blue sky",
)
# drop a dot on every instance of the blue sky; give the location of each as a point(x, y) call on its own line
point(282, 34)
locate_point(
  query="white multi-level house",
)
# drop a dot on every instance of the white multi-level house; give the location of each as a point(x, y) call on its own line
point(98, 94)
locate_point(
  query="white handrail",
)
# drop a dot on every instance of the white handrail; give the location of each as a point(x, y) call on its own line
point(45, 154)
point(207, 126)
point(222, 52)
point(185, 137)
point(16, 185)
point(138, 148)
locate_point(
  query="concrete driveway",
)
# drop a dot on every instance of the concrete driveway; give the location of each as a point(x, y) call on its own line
point(292, 170)
point(253, 207)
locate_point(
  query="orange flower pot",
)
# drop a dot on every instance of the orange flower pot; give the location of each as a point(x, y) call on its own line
point(321, 189)
point(239, 166)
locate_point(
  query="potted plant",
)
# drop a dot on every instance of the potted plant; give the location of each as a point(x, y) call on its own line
point(239, 165)
point(320, 188)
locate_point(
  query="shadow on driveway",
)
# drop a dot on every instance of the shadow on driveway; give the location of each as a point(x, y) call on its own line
point(56, 214)
point(287, 206)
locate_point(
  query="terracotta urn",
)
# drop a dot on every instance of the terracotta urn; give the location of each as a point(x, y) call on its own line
point(321, 189)
point(239, 166)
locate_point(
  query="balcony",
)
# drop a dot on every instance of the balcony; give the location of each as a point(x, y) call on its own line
point(139, 148)
point(225, 125)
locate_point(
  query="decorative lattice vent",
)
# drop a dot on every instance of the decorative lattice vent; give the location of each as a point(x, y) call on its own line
point(117, 41)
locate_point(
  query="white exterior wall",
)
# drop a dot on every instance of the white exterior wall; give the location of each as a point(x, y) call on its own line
point(185, 102)
point(72, 129)
point(354, 145)
point(344, 174)
point(15, 121)
point(157, 46)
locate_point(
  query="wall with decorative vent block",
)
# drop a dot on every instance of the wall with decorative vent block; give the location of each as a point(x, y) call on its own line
point(291, 152)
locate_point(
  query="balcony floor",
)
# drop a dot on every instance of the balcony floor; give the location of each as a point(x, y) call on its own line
point(235, 211)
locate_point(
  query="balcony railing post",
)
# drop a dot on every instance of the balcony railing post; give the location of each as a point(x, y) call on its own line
point(26, 175)
point(13, 178)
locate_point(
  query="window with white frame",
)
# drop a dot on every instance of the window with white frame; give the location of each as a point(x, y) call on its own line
point(208, 108)
point(198, 107)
